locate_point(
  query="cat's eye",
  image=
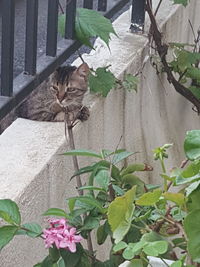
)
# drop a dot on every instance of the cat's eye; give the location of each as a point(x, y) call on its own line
point(71, 89)
point(55, 88)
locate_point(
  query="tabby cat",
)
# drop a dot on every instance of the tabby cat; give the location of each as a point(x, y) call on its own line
point(65, 93)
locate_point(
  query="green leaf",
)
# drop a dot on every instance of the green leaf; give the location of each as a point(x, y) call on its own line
point(129, 253)
point(180, 45)
point(192, 229)
point(178, 214)
point(102, 178)
point(54, 254)
point(182, 2)
point(190, 174)
point(82, 152)
point(130, 82)
point(151, 187)
point(61, 263)
point(90, 23)
point(92, 188)
point(192, 187)
point(47, 262)
point(196, 91)
point(84, 261)
point(119, 246)
point(176, 264)
point(120, 214)
point(121, 156)
point(180, 243)
point(7, 233)
point(101, 234)
point(177, 198)
point(193, 200)
point(133, 249)
point(92, 202)
point(156, 248)
point(136, 263)
point(86, 169)
point(131, 180)
point(90, 223)
point(71, 259)
point(118, 190)
point(150, 198)
point(192, 144)
point(9, 211)
point(135, 168)
point(33, 230)
point(56, 212)
point(102, 82)
point(151, 237)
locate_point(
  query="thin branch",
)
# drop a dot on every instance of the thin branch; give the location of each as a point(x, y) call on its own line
point(157, 8)
point(69, 125)
point(61, 8)
point(79, 54)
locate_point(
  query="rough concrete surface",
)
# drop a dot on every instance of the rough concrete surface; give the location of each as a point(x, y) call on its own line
point(34, 174)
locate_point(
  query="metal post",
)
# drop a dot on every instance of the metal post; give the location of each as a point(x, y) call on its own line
point(88, 4)
point(138, 16)
point(7, 51)
point(52, 28)
point(70, 19)
point(31, 36)
point(102, 5)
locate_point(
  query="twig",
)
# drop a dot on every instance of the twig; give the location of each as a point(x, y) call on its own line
point(61, 8)
point(157, 8)
point(111, 190)
point(72, 147)
point(69, 125)
point(79, 54)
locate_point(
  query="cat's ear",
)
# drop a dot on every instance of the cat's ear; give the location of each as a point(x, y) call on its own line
point(83, 70)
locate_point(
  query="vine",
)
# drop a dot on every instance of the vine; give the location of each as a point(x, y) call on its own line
point(185, 63)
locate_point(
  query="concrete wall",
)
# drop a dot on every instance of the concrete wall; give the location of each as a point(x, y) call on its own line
point(34, 174)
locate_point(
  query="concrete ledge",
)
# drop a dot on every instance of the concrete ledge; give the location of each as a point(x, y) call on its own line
point(32, 172)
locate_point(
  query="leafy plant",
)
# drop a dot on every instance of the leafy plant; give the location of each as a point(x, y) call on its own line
point(138, 218)
point(90, 24)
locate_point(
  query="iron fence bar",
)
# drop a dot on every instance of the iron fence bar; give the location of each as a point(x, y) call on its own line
point(88, 4)
point(7, 51)
point(70, 19)
point(138, 15)
point(110, 13)
point(102, 5)
point(31, 36)
point(25, 84)
point(52, 28)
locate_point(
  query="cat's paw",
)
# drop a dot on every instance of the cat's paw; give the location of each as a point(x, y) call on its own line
point(83, 114)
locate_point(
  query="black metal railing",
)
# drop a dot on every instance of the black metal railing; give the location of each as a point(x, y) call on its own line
point(36, 70)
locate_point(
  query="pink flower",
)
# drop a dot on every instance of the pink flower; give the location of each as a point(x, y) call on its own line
point(61, 234)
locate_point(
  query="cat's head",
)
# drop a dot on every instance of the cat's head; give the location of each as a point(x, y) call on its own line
point(67, 77)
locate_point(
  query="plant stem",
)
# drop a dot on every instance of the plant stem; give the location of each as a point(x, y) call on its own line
point(164, 262)
point(78, 178)
point(164, 171)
